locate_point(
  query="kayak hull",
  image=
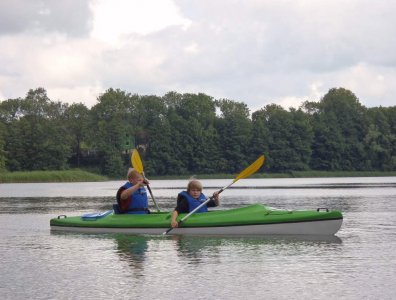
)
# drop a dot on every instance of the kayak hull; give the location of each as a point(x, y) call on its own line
point(251, 220)
point(326, 227)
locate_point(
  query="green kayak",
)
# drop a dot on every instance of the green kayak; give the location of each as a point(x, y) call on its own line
point(254, 219)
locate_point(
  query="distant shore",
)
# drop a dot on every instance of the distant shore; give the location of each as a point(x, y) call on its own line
point(75, 175)
point(78, 175)
point(293, 174)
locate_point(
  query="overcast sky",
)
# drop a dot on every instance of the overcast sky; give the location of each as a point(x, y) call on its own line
point(254, 51)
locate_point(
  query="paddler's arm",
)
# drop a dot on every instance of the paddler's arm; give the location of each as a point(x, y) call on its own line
point(125, 194)
point(182, 207)
point(215, 201)
point(174, 222)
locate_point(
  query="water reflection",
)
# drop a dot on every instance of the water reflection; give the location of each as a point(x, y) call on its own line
point(195, 250)
point(132, 249)
point(198, 249)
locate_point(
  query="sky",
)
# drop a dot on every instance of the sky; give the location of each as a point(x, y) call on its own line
point(254, 51)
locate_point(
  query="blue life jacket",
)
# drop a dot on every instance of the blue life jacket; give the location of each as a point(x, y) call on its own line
point(139, 200)
point(193, 203)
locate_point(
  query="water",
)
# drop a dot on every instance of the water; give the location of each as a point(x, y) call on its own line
point(358, 263)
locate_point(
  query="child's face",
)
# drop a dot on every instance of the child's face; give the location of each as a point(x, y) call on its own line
point(195, 193)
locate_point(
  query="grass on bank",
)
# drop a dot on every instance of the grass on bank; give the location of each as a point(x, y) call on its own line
point(75, 175)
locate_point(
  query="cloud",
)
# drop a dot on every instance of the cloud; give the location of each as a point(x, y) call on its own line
point(258, 52)
point(116, 19)
point(70, 17)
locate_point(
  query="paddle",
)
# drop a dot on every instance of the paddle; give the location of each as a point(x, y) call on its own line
point(138, 166)
point(245, 173)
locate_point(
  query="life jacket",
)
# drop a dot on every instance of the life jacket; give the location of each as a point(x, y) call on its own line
point(138, 203)
point(193, 203)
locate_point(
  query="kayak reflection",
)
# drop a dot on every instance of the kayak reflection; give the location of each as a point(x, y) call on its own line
point(198, 249)
point(132, 249)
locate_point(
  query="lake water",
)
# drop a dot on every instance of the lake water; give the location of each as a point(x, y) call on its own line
point(358, 263)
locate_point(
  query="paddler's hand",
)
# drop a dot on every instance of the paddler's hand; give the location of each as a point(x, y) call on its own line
point(216, 198)
point(141, 182)
point(174, 224)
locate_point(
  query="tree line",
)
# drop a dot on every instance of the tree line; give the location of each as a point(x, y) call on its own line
point(195, 134)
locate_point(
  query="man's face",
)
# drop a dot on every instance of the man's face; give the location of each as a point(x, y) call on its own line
point(136, 178)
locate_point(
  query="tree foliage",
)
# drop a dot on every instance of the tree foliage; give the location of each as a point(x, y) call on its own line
point(195, 134)
point(36, 137)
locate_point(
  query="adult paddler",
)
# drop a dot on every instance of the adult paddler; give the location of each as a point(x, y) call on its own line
point(132, 196)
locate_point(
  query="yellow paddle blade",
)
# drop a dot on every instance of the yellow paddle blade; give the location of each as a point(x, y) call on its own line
point(251, 169)
point(136, 161)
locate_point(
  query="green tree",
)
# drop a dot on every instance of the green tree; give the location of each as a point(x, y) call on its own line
point(234, 128)
point(194, 137)
point(199, 114)
point(76, 121)
point(259, 143)
point(2, 147)
point(327, 146)
point(288, 135)
point(340, 127)
point(111, 122)
point(390, 113)
point(155, 138)
point(351, 118)
point(36, 138)
point(10, 110)
point(379, 141)
point(301, 140)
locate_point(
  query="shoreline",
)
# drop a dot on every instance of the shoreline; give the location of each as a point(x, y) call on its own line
point(77, 175)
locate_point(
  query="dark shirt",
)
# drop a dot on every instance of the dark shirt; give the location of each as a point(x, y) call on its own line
point(120, 190)
point(182, 204)
point(123, 203)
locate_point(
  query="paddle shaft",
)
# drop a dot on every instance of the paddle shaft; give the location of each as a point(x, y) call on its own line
point(151, 193)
